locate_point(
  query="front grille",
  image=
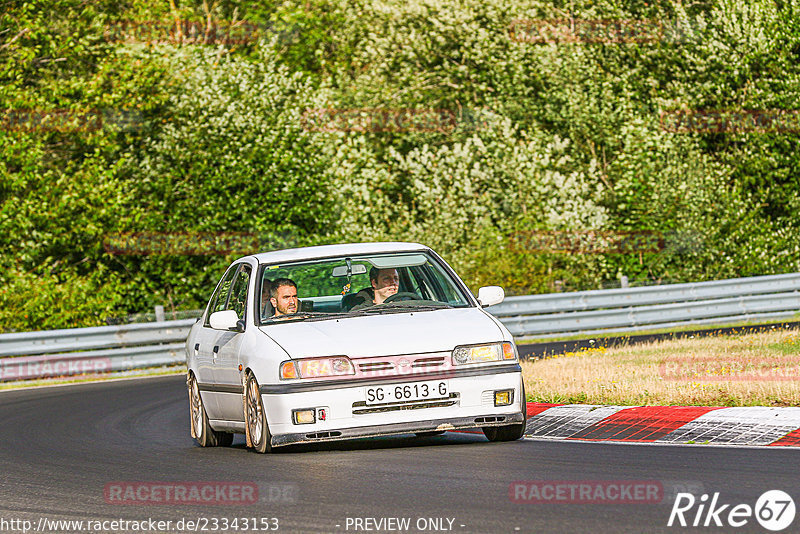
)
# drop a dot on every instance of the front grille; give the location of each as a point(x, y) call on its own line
point(428, 362)
point(319, 435)
point(361, 407)
point(497, 419)
point(375, 366)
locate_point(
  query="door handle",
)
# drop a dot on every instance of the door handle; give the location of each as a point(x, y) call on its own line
point(196, 348)
point(216, 350)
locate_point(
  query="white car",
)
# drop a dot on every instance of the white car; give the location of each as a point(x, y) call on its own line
point(385, 339)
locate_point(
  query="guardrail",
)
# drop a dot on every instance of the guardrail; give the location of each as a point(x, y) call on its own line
point(74, 351)
point(651, 307)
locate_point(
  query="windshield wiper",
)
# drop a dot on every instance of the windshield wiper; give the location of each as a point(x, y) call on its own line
point(402, 307)
point(301, 316)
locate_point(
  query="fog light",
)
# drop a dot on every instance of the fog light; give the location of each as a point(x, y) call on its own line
point(504, 397)
point(304, 417)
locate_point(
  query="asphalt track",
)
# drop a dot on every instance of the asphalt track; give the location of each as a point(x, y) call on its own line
point(61, 446)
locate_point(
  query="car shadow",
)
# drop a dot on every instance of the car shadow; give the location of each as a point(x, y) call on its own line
point(399, 441)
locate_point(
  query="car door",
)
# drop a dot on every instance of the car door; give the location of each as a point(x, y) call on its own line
point(204, 344)
point(228, 346)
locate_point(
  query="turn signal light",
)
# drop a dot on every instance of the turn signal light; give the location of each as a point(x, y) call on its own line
point(288, 370)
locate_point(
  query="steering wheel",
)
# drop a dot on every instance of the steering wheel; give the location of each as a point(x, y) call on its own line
point(402, 295)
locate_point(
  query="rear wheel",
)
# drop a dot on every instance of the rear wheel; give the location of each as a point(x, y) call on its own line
point(257, 418)
point(201, 429)
point(509, 432)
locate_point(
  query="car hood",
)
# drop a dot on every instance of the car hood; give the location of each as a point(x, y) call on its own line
point(386, 335)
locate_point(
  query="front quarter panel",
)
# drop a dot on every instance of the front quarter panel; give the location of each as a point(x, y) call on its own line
point(507, 336)
point(191, 357)
point(262, 356)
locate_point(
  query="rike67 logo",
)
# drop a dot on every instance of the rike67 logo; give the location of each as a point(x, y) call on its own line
point(774, 510)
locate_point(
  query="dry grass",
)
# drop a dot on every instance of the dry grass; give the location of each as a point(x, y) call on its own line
point(761, 369)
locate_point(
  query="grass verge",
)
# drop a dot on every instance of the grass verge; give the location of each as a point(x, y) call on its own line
point(758, 369)
point(742, 326)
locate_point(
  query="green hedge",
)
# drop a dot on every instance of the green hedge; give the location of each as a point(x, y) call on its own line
point(514, 143)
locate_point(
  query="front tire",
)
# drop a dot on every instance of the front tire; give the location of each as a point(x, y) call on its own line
point(200, 427)
point(256, 417)
point(509, 432)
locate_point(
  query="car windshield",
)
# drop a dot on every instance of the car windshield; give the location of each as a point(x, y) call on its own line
point(357, 285)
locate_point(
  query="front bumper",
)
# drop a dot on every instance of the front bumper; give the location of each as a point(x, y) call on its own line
point(469, 404)
point(397, 428)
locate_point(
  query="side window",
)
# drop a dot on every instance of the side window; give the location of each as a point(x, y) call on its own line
point(433, 285)
point(220, 297)
point(238, 299)
point(265, 306)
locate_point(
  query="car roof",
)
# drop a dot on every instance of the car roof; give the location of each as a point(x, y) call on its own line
point(327, 251)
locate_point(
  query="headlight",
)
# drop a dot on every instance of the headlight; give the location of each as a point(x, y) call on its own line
point(317, 367)
point(493, 352)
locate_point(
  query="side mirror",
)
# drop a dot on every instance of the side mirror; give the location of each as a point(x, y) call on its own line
point(226, 320)
point(491, 295)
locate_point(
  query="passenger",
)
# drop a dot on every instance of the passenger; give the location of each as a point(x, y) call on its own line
point(266, 309)
point(385, 283)
point(283, 296)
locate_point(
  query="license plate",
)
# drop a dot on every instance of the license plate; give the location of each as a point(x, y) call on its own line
point(410, 392)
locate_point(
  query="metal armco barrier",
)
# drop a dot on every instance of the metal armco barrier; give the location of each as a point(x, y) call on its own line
point(74, 351)
point(99, 337)
point(651, 307)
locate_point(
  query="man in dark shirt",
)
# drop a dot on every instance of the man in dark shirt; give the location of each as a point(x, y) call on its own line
point(385, 283)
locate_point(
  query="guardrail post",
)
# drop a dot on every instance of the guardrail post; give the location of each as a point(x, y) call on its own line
point(160, 314)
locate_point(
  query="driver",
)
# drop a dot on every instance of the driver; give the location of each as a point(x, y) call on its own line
point(283, 296)
point(385, 283)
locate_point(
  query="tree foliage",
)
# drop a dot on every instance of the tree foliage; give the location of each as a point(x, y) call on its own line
point(180, 138)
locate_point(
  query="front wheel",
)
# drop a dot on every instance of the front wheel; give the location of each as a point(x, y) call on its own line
point(509, 432)
point(201, 429)
point(504, 433)
point(257, 418)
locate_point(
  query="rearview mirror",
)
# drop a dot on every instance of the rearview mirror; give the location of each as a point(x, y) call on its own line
point(341, 270)
point(491, 295)
point(225, 320)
